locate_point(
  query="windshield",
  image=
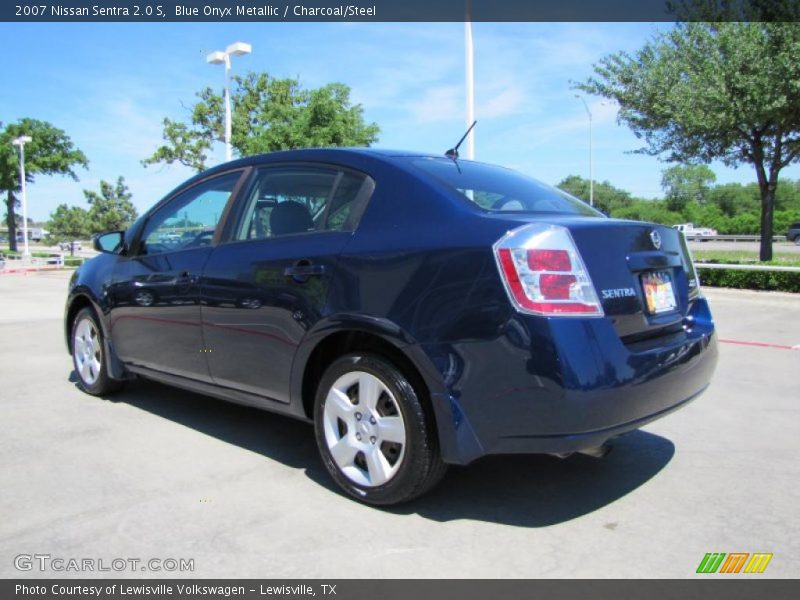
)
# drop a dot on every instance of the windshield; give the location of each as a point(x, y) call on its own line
point(498, 189)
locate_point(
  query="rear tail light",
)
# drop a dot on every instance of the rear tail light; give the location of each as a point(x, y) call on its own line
point(544, 274)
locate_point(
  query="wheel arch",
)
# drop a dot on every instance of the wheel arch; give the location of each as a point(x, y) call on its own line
point(336, 336)
point(458, 443)
point(78, 301)
point(329, 347)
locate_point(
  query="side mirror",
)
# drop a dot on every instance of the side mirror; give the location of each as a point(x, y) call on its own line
point(110, 242)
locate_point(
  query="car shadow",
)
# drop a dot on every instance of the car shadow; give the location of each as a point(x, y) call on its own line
point(541, 490)
point(520, 490)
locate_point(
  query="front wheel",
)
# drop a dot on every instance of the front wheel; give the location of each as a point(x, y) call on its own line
point(373, 433)
point(89, 355)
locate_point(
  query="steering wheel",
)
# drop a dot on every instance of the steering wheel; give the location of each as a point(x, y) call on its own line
point(204, 238)
point(201, 239)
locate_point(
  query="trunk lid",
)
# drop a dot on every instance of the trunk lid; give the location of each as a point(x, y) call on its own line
point(624, 259)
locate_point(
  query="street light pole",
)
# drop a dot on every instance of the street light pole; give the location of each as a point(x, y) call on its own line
point(470, 76)
point(591, 161)
point(228, 124)
point(224, 58)
point(21, 141)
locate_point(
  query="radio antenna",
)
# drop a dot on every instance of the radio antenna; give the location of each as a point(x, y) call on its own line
point(453, 152)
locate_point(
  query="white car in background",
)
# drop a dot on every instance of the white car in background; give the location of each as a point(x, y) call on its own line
point(691, 232)
point(65, 246)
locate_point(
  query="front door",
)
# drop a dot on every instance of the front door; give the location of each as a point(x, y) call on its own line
point(155, 315)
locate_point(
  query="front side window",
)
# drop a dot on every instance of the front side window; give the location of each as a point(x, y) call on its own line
point(495, 188)
point(190, 219)
point(296, 200)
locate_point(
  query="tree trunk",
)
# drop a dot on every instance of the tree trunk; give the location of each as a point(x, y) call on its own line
point(767, 210)
point(11, 221)
point(767, 184)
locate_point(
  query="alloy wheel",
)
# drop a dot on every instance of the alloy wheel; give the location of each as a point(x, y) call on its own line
point(87, 351)
point(364, 429)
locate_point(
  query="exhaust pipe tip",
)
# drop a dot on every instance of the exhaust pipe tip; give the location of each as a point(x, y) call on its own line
point(561, 455)
point(600, 451)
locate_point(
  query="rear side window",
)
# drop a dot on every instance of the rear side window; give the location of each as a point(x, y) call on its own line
point(294, 200)
point(497, 189)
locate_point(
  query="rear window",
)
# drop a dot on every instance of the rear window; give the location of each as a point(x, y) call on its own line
point(498, 189)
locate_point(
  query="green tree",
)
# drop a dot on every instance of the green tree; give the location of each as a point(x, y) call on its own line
point(735, 198)
point(111, 209)
point(714, 91)
point(653, 211)
point(69, 223)
point(268, 114)
point(606, 197)
point(686, 183)
point(787, 196)
point(50, 152)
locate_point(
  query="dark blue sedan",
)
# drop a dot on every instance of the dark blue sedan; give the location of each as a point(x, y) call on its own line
point(419, 310)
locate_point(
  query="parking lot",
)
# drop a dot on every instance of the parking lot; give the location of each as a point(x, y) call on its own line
point(162, 473)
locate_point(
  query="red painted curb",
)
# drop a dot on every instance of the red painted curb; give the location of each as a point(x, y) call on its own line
point(759, 344)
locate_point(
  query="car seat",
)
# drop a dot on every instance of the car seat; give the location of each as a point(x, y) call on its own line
point(290, 217)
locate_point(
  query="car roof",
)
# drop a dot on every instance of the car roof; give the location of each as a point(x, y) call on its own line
point(383, 155)
point(320, 154)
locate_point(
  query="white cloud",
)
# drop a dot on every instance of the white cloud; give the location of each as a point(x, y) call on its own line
point(505, 103)
point(444, 103)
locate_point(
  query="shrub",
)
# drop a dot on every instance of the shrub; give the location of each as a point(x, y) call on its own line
point(783, 281)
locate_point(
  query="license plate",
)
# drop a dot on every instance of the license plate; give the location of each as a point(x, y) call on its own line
point(658, 292)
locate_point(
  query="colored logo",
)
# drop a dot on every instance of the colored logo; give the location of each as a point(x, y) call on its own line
point(735, 562)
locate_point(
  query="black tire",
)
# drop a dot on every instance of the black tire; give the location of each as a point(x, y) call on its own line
point(421, 465)
point(93, 381)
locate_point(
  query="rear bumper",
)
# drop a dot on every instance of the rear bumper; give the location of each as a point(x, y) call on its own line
point(563, 385)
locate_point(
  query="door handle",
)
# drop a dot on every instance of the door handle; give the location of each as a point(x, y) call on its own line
point(185, 277)
point(302, 270)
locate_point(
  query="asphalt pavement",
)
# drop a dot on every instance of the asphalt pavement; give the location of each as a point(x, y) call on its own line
point(159, 473)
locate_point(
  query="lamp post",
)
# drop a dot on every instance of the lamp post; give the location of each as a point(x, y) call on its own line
point(470, 76)
point(20, 142)
point(224, 58)
point(591, 165)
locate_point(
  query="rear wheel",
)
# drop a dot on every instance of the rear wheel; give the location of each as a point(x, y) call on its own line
point(89, 355)
point(373, 433)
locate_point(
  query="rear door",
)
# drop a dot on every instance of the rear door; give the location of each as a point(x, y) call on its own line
point(155, 319)
point(263, 289)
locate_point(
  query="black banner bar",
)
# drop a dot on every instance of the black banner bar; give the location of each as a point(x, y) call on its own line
point(708, 588)
point(63, 11)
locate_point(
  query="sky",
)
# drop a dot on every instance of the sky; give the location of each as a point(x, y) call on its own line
point(110, 85)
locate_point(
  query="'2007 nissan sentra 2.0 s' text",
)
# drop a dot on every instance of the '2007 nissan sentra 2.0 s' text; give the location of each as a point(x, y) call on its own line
point(419, 310)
